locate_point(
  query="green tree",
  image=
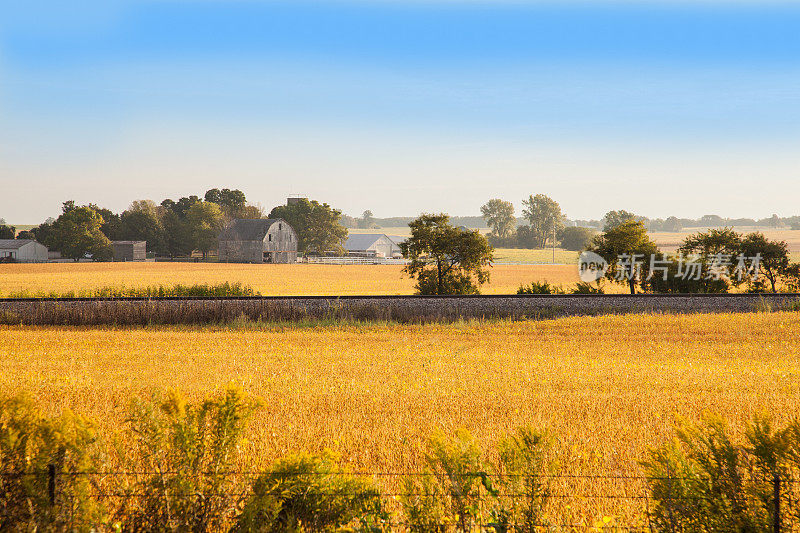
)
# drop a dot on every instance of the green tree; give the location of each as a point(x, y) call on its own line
point(612, 219)
point(544, 217)
point(42, 233)
point(181, 207)
point(178, 238)
point(142, 221)
point(628, 250)
point(367, 220)
point(317, 225)
point(77, 233)
point(715, 250)
point(205, 220)
point(445, 259)
point(773, 257)
point(672, 224)
point(712, 221)
point(111, 222)
point(575, 238)
point(712, 242)
point(7, 232)
point(232, 202)
point(499, 215)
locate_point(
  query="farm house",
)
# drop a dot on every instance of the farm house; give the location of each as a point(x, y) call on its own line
point(22, 251)
point(258, 241)
point(129, 250)
point(371, 245)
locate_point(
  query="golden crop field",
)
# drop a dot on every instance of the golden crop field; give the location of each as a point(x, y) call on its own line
point(669, 241)
point(278, 280)
point(607, 387)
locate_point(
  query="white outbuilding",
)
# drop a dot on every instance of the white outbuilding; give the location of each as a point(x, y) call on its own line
point(371, 245)
point(22, 251)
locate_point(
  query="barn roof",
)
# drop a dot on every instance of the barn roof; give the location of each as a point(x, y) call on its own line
point(363, 241)
point(14, 244)
point(245, 229)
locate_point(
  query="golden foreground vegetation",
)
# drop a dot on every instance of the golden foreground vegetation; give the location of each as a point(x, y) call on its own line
point(269, 280)
point(607, 387)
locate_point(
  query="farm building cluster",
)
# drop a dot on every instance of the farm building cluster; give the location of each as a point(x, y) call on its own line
point(241, 241)
point(275, 241)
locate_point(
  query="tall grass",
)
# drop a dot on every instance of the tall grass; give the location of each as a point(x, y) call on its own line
point(156, 291)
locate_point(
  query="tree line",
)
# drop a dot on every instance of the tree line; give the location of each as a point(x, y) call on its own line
point(542, 223)
point(177, 228)
point(445, 259)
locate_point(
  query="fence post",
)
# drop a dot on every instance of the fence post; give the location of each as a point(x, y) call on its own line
point(776, 482)
point(51, 484)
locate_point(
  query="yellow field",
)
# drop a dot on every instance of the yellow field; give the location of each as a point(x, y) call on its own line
point(523, 255)
point(300, 279)
point(669, 241)
point(609, 387)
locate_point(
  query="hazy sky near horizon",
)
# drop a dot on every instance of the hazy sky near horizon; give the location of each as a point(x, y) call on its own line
point(662, 108)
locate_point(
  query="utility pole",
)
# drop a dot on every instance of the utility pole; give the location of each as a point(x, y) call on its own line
point(554, 240)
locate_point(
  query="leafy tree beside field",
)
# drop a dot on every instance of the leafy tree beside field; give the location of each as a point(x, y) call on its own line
point(774, 258)
point(499, 215)
point(544, 217)
point(142, 221)
point(318, 226)
point(613, 219)
point(76, 233)
point(575, 238)
point(206, 220)
point(622, 246)
point(445, 259)
point(7, 232)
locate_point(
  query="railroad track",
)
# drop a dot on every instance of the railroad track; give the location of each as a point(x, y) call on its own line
point(405, 308)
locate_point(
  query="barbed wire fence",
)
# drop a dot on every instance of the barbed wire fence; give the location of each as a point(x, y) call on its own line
point(562, 490)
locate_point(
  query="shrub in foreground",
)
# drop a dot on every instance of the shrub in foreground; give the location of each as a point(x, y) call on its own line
point(187, 452)
point(32, 448)
point(540, 287)
point(461, 489)
point(704, 481)
point(306, 492)
point(522, 483)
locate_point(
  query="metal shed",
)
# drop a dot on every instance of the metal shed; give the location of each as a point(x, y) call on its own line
point(22, 251)
point(129, 250)
point(371, 245)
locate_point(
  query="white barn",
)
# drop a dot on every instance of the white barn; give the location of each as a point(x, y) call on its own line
point(371, 245)
point(22, 251)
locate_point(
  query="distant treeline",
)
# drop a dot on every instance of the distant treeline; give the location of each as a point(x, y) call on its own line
point(706, 221)
point(399, 222)
point(652, 224)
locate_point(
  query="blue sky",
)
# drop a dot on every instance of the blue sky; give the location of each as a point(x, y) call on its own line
point(403, 106)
